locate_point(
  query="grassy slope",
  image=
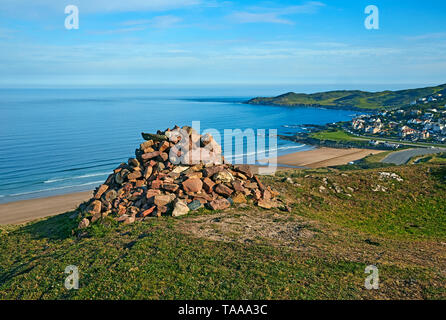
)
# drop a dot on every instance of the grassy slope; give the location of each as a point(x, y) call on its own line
point(319, 251)
point(352, 99)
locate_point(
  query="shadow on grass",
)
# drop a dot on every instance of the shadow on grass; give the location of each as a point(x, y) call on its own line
point(54, 228)
point(439, 174)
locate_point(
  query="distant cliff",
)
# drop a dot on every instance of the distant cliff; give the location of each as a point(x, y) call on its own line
point(351, 99)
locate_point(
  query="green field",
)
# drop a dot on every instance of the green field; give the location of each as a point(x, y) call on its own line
point(317, 251)
point(351, 99)
point(337, 135)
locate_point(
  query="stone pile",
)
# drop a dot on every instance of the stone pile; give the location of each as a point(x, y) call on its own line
point(152, 185)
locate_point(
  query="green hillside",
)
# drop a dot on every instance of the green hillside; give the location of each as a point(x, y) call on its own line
point(352, 99)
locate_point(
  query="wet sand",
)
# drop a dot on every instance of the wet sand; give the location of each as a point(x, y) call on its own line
point(28, 210)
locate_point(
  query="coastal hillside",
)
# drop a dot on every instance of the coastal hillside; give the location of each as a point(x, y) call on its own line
point(345, 99)
point(340, 222)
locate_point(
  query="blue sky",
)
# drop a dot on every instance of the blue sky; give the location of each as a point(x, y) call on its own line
point(221, 42)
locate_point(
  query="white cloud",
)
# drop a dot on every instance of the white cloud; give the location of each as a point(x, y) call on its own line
point(274, 15)
point(159, 22)
point(96, 6)
point(164, 22)
point(248, 17)
point(427, 36)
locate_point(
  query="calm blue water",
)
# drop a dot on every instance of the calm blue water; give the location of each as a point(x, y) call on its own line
point(55, 141)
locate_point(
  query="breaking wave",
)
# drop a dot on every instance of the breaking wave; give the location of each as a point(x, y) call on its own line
point(99, 174)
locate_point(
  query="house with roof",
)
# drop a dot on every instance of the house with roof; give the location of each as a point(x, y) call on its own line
point(406, 131)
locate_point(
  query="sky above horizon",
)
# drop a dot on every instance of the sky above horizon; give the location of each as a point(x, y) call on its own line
point(137, 42)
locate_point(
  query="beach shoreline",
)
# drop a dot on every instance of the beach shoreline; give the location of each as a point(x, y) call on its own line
point(23, 211)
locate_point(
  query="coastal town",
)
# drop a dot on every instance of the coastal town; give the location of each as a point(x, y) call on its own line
point(423, 121)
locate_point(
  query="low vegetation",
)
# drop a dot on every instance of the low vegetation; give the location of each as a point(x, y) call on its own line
point(341, 221)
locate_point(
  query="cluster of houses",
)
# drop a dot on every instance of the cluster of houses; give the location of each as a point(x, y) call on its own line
point(426, 100)
point(413, 124)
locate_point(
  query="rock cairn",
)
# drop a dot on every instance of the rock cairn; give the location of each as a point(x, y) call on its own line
point(152, 185)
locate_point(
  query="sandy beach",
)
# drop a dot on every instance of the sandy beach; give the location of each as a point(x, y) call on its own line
point(28, 210)
point(324, 157)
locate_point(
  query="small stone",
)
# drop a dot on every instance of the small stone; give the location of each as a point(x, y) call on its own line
point(257, 194)
point(146, 145)
point(223, 190)
point(220, 204)
point(133, 162)
point(241, 176)
point(156, 184)
point(193, 174)
point(140, 183)
point(84, 223)
point(237, 185)
point(152, 192)
point(111, 195)
point(261, 187)
point(192, 185)
point(194, 205)
point(160, 166)
point(251, 185)
point(265, 204)
point(245, 169)
point(134, 175)
point(239, 198)
point(180, 209)
point(100, 191)
point(266, 194)
point(119, 179)
point(122, 210)
point(208, 185)
point(165, 145)
point(164, 156)
point(150, 155)
point(161, 210)
point(148, 211)
point(162, 200)
point(94, 207)
point(209, 172)
point(171, 187)
point(180, 169)
point(148, 172)
point(223, 176)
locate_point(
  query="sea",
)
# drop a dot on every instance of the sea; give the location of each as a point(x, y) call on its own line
point(61, 140)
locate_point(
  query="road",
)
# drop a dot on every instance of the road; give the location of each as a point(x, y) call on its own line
point(402, 157)
point(401, 142)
